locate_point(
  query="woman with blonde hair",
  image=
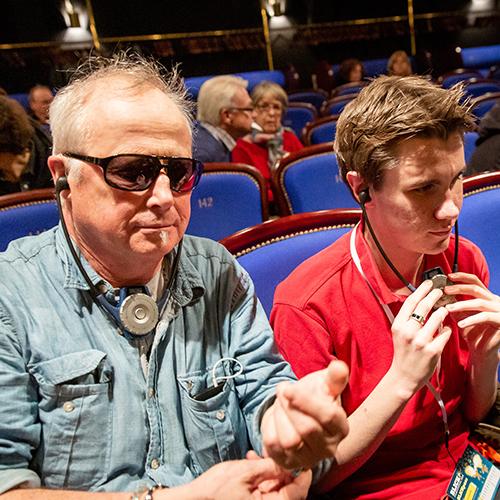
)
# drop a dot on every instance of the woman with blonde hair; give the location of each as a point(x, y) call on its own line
point(269, 141)
point(399, 64)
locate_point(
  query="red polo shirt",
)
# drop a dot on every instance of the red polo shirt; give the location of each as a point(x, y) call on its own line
point(326, 310)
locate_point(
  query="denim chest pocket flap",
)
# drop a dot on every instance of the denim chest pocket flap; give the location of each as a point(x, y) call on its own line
point(215, 427)
point(75, 411)
point(85, 369)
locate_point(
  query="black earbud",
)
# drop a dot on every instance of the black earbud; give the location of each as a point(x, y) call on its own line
point(364, 196)
point(62, 184)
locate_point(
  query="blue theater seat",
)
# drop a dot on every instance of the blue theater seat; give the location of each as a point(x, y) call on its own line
point(194, 83)
point(481, 57)
point(314, 97)
point(470, 139)
point(482, 104)
point(298, 115)
point(479, 220)
point(320, 131)
point(26, 213)
point(309, 180)
point(272, 250)
point(229, 197)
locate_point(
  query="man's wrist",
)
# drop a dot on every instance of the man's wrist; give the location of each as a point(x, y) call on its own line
point(145, 494)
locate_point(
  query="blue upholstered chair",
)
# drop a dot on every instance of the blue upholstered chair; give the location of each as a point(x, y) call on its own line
point(482, 104)
point(298, 115)
point(470, 139)
point(26, 213)
point(320, 131)
point(476, 87)
point(314, 97)
point(309, 180)
point(450, 78)
point(335, 105)
point(480, 58)
point(272, 250)
point(479, 220)
point(194, 83)
point(229, 197)
point(348, 88)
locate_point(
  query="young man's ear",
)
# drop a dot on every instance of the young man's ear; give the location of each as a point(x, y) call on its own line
point(358, 187)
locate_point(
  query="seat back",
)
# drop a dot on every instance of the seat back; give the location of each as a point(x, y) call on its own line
point(450, 78)
point(194, 83)
point(479, 220)
point(476, 87)
point(335, 105)
point(482, 104)
point(348, 88)
point(320, 131)
point(309, 180)
point(298, 115)
point(470, 139)
point(314, 97)
point(272, 250)
point(26, 213)
point(480, 57)
point(229, 197)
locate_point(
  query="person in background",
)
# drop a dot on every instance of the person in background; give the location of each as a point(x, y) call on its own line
point(224, 113)
point(381, 298)
point(350, 70)
point(486, 155)
point(269, 141)
point(23, 156)
point(399, 64)
point(136, 362)
point(39, 99)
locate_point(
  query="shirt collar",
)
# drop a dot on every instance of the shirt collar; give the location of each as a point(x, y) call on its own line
point(187, 286)
point(221, 134)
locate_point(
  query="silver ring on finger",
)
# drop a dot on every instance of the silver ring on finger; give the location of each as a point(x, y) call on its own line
point(418, 317)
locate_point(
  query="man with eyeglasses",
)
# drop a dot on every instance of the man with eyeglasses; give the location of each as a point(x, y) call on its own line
point(127, 363)
point(224, 114)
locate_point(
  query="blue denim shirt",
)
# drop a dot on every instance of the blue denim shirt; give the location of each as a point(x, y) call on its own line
point(76, 410)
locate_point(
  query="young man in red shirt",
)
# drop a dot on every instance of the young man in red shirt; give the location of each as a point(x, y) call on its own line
point(420, 372)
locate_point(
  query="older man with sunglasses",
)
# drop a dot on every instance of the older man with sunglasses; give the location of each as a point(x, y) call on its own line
point(127, 363)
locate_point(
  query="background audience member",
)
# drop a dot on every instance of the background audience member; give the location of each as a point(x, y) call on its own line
point(39, 99)
point(23, 156)
point(399, 64)
point(420, 373)
point(224, 115)
point(15, 137)
point(486, 155)
point(269, 140)
point(350, 70)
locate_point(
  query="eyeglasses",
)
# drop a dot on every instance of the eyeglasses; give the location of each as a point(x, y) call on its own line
point(136, 172)
point(269, 106)
point(245, 110)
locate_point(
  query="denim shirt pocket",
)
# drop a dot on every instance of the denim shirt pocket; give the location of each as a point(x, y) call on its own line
point(75, 410)
point(215, 428)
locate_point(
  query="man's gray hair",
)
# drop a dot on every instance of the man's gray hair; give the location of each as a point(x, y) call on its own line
point(71, 125)
point(216, 94)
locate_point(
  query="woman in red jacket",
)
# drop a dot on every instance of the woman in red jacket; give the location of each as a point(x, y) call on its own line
point(269, 141)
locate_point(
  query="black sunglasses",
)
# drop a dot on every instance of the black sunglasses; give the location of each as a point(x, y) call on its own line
point(136, 172)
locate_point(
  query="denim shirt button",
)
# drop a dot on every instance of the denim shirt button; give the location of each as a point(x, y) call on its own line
point(220, 415)
point(155, 463)
point(68, 406)
point(151, 392)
